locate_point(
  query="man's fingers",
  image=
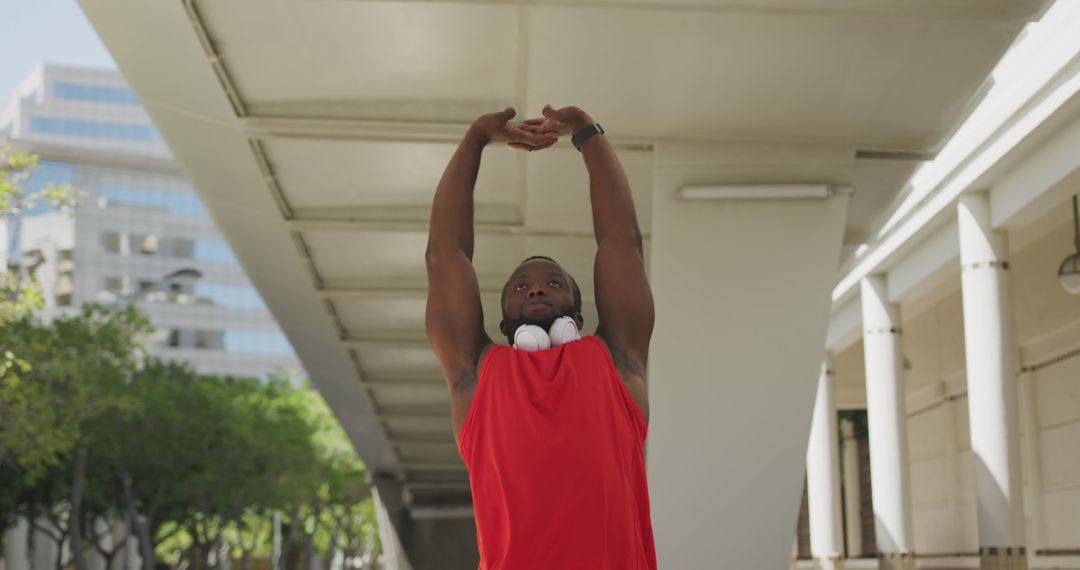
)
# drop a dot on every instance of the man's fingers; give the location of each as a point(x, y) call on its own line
point(522, 135)
point(530, 147)
point(506, 114)
point(550, 112)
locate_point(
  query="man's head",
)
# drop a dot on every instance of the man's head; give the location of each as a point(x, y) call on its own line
point(538, 292)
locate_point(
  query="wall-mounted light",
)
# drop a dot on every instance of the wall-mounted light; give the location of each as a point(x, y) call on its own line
point(756, 192)
point(1069, 272)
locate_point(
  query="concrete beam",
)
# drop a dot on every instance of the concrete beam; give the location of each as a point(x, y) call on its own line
point(994, 10)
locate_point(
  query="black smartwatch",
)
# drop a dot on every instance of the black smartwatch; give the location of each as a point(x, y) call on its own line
point(584, 134)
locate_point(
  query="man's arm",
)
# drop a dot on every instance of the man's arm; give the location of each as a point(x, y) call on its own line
point(623, 296)
point(455, 316)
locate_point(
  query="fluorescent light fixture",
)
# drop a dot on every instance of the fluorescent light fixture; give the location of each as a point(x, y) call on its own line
point(756, 192)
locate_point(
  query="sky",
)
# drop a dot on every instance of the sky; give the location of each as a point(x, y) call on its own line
point(33, 32)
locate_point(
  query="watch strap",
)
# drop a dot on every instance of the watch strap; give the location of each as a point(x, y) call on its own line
point(584, 134)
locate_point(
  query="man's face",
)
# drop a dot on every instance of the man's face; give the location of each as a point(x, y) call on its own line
point(537, 293)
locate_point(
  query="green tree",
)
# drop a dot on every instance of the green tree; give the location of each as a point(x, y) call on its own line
point(75, 369)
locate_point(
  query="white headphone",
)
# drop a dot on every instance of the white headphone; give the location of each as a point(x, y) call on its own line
point(532, 338)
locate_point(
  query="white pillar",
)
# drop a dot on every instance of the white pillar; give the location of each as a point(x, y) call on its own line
point(891, 487)
point(991, 383)
point(823, 478)
point(15, 542)
point(852, 494)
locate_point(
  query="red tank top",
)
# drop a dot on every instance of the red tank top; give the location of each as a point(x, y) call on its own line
point(554, 445)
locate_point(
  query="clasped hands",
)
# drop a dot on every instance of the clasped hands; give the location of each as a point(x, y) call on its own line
point(530, 134)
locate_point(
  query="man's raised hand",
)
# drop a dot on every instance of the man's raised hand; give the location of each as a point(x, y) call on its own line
point(496, 128)
point(561, 122)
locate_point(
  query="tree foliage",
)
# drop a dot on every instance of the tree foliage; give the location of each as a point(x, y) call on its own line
point(94, 431)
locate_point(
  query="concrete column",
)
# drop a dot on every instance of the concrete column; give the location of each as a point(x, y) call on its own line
point(991, 382)
point(15, 546)
point(852, 496)
point(823, 479)
point(891, 486)
point(741, 289)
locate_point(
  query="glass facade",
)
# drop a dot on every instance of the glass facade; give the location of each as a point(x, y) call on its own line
point(232, 296)
point(257, 342)
point(183, 203)
point(46, 173)
point(94, 129)
point(214, 251)
point(95, 93)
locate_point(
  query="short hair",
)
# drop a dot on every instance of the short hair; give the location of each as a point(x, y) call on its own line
point(573, 283)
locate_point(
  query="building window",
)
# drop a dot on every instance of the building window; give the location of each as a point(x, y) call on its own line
point(94, 129)
point(113, 285)
point(182, 203)
point(95, 93)
point(209, 339)
point(146, 286)
point(183, 247)
point(173, 340)
point(149, 245)
point(110, 242)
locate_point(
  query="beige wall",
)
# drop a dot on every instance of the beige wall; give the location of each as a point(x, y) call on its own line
point(1046, 324)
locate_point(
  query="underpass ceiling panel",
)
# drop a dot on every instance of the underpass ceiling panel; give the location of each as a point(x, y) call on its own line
point(875, 83)
point(358, 256)
point(434, 425)
point(426, 452)
point(460, 476)
point(428, 61)
point(381, 314)
point(343, 254)
point(349, 174)
point(388, 395)
point(558, 187)
point(442, 433)
point(393, 360)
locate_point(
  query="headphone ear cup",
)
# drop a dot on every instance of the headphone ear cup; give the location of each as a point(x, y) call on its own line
point(531, 338)
point(564, 330)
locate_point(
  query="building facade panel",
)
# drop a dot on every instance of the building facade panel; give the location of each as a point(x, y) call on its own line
point(138, 222)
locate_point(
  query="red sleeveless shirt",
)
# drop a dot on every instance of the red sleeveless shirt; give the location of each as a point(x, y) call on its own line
point(554, 445)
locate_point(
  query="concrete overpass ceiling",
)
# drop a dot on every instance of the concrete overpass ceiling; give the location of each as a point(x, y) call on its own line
point(316, 131)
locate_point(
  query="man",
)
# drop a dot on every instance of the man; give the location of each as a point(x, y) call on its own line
point(553, 438)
